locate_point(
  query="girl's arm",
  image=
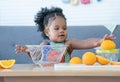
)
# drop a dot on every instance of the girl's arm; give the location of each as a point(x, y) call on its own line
point(25, 49)
point(89, 43)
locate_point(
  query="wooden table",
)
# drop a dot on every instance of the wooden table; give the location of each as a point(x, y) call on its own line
point(33, 73)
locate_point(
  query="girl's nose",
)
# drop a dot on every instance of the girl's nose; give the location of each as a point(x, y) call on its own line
point(61, 30)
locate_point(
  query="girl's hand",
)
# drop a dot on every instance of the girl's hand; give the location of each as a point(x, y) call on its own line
point(108, 37)
point(21, 49)
point(105, 37)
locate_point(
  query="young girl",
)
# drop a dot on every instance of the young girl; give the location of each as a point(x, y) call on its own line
point(52, 23)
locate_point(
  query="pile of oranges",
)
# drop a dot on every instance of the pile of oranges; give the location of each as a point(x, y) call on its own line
point(90, 58)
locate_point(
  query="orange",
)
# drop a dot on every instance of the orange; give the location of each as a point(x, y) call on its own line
point(89, 58)
point(7, 63)
point(75, 60)
point(102, 60)
point(108, 44)
point(115, 63)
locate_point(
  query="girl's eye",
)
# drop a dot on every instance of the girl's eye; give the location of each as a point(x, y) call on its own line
point(64, 28)
point(56, 28)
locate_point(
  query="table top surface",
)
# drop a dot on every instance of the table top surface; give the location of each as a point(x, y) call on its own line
point(60, 70)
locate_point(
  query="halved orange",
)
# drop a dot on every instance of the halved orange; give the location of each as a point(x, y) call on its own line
point(7, 63)
point(102, 60)
point(108, 45)
point(115, 63)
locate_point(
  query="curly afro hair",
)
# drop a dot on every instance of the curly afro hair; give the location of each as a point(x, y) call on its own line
point(43, 16)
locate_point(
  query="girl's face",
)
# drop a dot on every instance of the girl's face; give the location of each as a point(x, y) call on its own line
point(57, 30)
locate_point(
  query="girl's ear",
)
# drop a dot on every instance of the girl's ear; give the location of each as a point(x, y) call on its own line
point(46, 32)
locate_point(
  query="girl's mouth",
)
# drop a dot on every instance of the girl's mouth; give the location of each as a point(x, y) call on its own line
point(62, 36)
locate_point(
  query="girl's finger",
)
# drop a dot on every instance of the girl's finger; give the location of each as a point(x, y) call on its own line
point(105, 36)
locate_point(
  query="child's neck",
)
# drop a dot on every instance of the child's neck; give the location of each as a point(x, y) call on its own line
point(54, 43)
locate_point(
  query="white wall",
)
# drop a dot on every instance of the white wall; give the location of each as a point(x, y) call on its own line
point(21, 12)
